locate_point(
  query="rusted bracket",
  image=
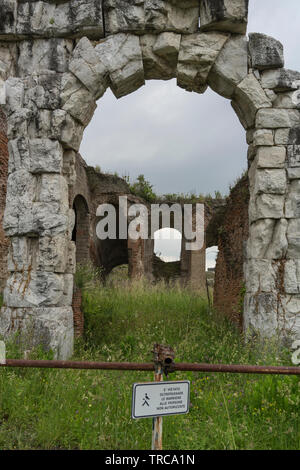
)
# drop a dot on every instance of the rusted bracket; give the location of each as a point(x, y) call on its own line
point(163, 357)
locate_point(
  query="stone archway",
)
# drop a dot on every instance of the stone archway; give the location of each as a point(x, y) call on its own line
point(58, 59)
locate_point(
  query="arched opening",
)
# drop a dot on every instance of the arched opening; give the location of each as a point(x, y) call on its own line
point(167, 244)
point(167, 254)
point(81, 230)
point(185, 129)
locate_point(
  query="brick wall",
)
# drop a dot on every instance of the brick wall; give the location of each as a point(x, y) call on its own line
point(233, 232)
point(3, 181)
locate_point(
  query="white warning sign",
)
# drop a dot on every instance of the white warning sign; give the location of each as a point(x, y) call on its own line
point(160, 399)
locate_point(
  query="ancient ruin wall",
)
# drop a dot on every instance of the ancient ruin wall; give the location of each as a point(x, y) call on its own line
point(58, 59)
point(232, 235)
point(4, 242)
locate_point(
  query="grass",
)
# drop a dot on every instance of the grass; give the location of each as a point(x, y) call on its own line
point(61, 409)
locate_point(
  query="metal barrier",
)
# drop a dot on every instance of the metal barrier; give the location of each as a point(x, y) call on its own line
point(163, 363)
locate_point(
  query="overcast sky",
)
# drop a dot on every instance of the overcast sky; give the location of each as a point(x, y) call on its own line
point(183, 141)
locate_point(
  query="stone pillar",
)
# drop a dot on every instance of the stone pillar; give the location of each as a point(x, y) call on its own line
point(4, 242)
point(37, 218)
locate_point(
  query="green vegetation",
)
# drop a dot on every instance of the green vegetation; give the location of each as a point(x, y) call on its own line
point(144, 189)
point(72, 409)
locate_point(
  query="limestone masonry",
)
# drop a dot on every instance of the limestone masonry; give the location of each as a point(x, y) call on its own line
point(57, 58)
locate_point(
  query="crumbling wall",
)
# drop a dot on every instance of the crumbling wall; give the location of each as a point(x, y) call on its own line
point(233, 231)
point(3, 182)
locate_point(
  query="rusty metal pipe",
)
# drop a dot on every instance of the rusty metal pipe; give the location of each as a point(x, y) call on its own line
point(218, 368)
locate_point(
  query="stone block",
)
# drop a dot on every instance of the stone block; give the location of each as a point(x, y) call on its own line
point(266, 206)
point(292, 204)
point(231, 66)
point(88, 68)
point(271, 157)
point(46, 156)
point(293, 237)
point(159, 66)
point(121, 55)
point(277, 118)
point(43, 55)
point(260, 314)
point(51, 327)
point(8, 15)
point(293, 156)
point(265, 51)
point(280, 80)
point(250, 97)
point(76, 100)
point(198, 52)
point(224, 15)
point(74, 18)
point(138, 16)
point(263, 137)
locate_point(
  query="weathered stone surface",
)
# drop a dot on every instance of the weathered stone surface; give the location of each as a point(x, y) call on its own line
point(260, 237)
point(65, 129)
point(231, 67)
point(293, 156)
point(292, 276)
point(280, 80)
point(289, 319)
point(8, 16)
point(265, 51)
point(2, 92)
point(266, 206)
point(277, 118)
point(288, 100)
point(292, 205)
point(88, 68)
point(51, 327)
point(261, 275)
point(287, 136)
point(69, 170)
point(224, 15)
point(279, 244)
point(270, 94)
point(74, 18)
point(271, 157)
point(293, 173)
point(250, 97)
point(197, 54)
point(269, 181)
point(14, 89)
point(260, 314)
point(17, 123)
point(273, 317)
point(160, 55)
point(8, 55)
point(20, 256)
point(42, 90)
point(293, 237)
point(52, 254)
point(21, 191)
point(76, 99)
point(52, 188)
point(138, 16)
point(46, 156)
point(263, 137)
point(268, 239)
point(49, 219)
point(121, 54)
point(44, 54)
